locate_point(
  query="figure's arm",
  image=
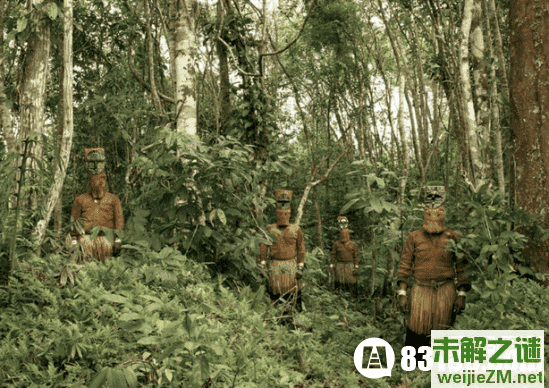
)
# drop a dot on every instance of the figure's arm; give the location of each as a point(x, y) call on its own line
point(462, 266)
point(76, 213)
point(355, 255)
point(263, 254)
point(118, 215)
point(300, 248)
point(264, 250)
point(404, 273)
point(463, 282)
point(333, 256)
point(406, 258)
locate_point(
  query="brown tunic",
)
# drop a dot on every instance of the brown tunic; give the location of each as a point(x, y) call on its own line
point(344, 258)
point(106, 212)
point(430, 259)
point(283, 258)
point(433, 293)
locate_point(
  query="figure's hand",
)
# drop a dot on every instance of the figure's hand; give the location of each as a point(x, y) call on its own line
point(403, 304)
point(299, 272)
point(331, 268)
point(116, 247)
point(459, 304)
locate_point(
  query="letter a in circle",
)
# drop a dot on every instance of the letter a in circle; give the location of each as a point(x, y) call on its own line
point(368, 361)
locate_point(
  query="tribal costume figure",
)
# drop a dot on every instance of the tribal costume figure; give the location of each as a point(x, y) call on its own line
point(437, 273)
point(96, 208)
point(344, 260)
point(284, 260)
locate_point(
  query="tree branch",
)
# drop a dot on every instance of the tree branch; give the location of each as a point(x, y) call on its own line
point(136, 75)
point(230, 50)
point(312, 183)
point(297, 36)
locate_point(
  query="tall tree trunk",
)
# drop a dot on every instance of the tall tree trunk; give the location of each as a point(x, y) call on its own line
point(67, 123)
point(422, 118)
point(170, 40)
point(503, 79)
point(475, 179)
point(480, 77)
point(150, 59)
point(319, 223)
point(402, 131)
point(185, 48)
point(494, 104)
point(5, 114)
point(224, 82)
point(185, 83)
point(32, 98)
point(503, 83)
point(529, 92)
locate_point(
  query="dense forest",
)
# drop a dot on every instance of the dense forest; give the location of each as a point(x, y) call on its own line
point(204, 109)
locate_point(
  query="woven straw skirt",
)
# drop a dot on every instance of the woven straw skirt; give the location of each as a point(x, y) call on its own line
point(282, 277)
point(97, 249)
point(431, 309)
point(344, 272)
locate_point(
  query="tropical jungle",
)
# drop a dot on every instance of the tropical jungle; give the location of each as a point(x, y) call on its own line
point(203, 109)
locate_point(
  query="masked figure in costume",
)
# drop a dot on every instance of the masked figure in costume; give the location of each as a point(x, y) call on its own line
point(285, 259)
point(344, 262)
point(97, 208)
point(437, 274)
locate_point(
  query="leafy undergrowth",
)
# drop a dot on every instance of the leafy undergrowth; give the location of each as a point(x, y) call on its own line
point(157, 319)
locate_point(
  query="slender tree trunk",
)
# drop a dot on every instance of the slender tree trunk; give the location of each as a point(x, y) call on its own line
point(529, 55)
point(494, 104)
point(475, 179)
point(5, 114)
point(319, 223)
point(402, 131)
point(360, 128)
point(503, 79)
point(422, 118)
point(224, 82)
point(170, 39)
point(67, 120)
point(480, 79)
point(185, 47)
point(415, 143)
point(33, 91)
point(503, 83)
point(150, 59)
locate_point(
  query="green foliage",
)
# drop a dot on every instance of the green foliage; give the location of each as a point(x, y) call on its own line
point(386, 223)
point(526, 310)
point(156, 318)
point(252, 118)
point(7, 177)
point(332, 23)
point(203, 200)
point(492, 243)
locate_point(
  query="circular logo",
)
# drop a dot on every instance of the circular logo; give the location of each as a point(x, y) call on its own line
point(374, 358)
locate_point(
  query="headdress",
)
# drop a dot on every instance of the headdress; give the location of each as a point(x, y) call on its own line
point(95, 160)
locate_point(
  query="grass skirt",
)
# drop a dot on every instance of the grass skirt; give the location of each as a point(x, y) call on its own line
point(98, 249)
point(344, 272)
point(431, 309)
point(282, 277)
